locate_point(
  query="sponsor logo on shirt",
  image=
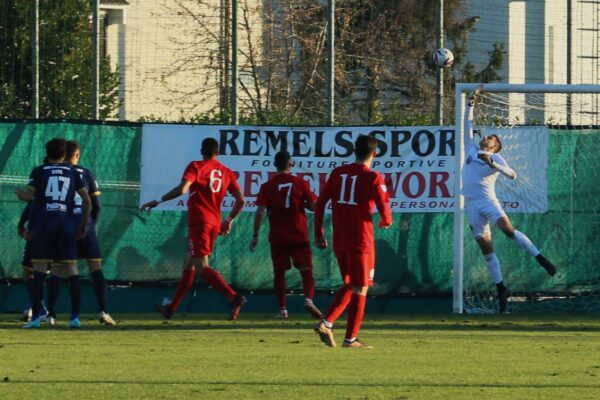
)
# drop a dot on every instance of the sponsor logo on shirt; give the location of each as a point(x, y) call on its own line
point(56, 207)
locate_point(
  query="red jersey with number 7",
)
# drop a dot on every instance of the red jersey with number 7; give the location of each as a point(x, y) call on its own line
point(210, 181)
point(354, 190)
point(285, 197)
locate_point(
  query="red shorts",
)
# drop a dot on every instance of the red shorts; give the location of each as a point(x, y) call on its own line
point(357, 268)
point(283, 255)
point(201, 239)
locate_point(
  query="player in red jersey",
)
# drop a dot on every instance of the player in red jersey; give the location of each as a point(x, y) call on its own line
point(285, 197)
point(208, 181)
point(353, 190)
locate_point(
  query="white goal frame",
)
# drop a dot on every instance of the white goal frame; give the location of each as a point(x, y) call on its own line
point(460, 95)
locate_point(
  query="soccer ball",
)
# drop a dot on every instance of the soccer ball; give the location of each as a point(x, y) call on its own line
point(443, 58)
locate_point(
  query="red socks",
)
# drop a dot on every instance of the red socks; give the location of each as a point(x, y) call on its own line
point(341, 300)
point(185, 283)
point(308, 283)
point(356, 312)
point(214, 279)
point(279, 286)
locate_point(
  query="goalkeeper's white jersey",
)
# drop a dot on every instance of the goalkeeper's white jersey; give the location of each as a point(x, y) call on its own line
point(479, 179)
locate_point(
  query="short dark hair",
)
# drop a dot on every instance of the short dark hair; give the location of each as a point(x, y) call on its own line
point(364, 145)
point(499, 143)
point(210, 147)
point(56, 148)
point(282, 160)
point(72, 147)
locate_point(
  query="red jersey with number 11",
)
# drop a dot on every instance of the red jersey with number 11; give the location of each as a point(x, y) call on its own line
point(285, 197)
point(210, 182)
point(353, 190)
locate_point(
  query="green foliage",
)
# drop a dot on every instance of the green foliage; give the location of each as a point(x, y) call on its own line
point(65, 62)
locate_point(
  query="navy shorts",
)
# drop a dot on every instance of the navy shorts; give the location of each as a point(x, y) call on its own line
point(88, 247)
point(58, 247)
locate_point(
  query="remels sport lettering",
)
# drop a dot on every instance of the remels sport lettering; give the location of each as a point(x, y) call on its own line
point(304, 143)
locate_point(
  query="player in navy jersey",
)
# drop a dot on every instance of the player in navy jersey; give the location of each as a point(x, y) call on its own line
point(51, 191)
point(88, 247)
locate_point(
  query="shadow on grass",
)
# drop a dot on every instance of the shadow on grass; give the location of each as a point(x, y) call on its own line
point(398, 385)
point(262, 322)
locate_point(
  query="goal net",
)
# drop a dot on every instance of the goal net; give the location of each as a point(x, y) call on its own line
point(551, 138)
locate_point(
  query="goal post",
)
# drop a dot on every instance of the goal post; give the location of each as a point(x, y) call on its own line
point(532, 116)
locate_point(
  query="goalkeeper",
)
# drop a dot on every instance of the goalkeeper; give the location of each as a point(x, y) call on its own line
point(483, 164)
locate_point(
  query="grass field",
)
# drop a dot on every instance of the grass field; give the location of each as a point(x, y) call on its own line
point(204, 357)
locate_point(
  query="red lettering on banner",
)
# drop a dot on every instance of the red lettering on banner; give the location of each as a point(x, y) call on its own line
point(389, 182)
point(251, 178)
point(421, 184)
point(438, 180)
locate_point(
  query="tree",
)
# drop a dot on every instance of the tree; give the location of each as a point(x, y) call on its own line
point(383, 72)
point(65, 62)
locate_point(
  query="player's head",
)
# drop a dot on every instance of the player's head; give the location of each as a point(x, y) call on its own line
point(56, 149)
point(73, 152)
point(210, 148)
point(491, 143)
point(283, 161)
point(364, 147)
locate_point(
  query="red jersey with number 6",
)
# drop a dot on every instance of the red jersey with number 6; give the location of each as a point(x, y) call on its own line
point(210, 182)
point(353, 190)
point(285, 197)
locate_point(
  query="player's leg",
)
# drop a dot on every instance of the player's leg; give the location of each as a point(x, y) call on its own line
point(302, 258)
point(280, 257)
point(477, 215)
point(27, 267)
point(28, 282)
point(71, 272)
point(214, 279)
point(88, 248)
point(361, 271)
point(42, 253)
point(495, 270)
point(524, 242)
point(201, 248)
point(183, 286)
point(53, 292)
point(342, 297)
point(37, 292)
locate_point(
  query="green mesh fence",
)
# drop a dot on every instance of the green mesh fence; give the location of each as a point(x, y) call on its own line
point(414, 256)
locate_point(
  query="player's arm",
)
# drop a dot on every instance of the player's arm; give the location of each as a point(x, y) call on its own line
point(28, 194)
point(23, 220)
point(468, 120)
point(181, 189)
point(240, 201)
point(381, 198)
point(322, 200)
point(308, 197)
point(86, 210)
point(498, 162)
point(94, 196)
point(96, 206)
point(258, 218)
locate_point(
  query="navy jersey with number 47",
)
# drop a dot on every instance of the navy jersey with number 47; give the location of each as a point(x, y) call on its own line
point(55, 186)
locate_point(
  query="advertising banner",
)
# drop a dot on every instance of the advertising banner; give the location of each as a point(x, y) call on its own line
point(418, 163)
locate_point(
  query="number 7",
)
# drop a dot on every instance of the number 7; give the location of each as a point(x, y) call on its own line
point(287, 186)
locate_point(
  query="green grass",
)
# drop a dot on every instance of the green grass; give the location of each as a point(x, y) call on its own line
point(202, 357)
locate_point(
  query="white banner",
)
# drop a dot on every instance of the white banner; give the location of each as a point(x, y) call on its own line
point(417, 162)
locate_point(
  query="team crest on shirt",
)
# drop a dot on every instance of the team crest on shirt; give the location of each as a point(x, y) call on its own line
point(383, 188)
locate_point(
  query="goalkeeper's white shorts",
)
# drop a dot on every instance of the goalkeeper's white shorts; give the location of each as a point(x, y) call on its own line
point(480, 213)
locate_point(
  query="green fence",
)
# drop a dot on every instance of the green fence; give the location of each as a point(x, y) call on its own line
point(414, 256)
